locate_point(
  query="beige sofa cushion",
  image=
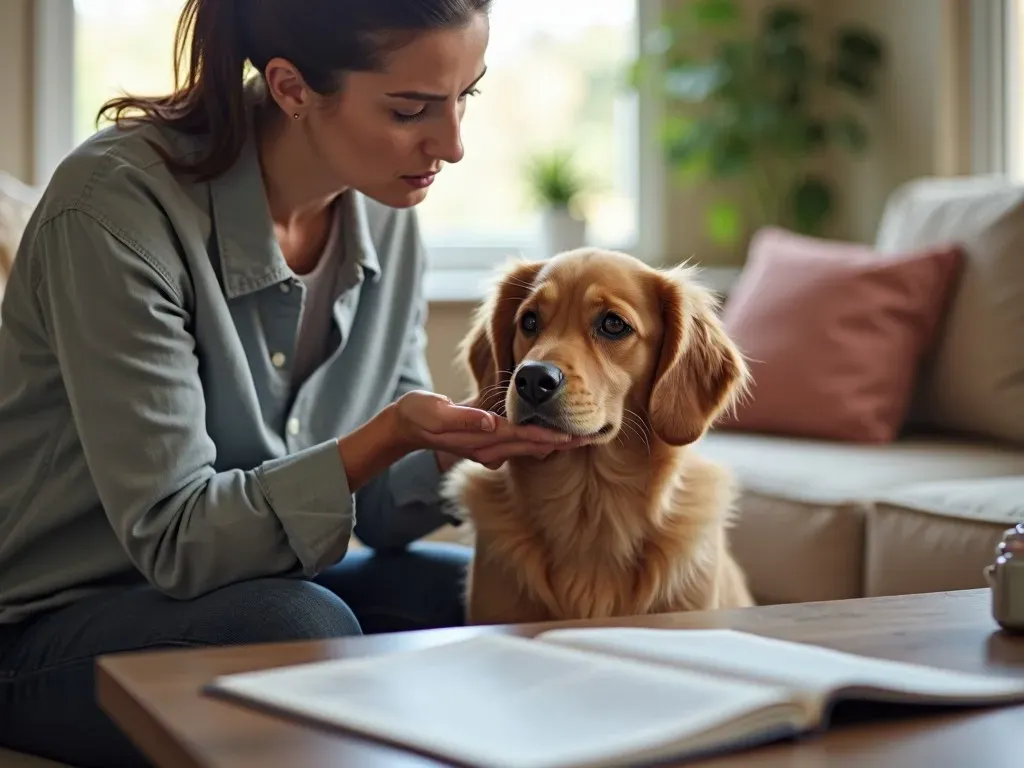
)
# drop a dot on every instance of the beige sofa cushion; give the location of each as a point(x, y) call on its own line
point(803, 515)
point(832, 472)
point(939, 535)
point(974, 383)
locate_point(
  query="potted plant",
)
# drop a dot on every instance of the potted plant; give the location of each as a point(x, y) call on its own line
point(755, 104)
point(557, 186)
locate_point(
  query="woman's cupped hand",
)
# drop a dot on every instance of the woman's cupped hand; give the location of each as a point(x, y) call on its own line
point(466, 431)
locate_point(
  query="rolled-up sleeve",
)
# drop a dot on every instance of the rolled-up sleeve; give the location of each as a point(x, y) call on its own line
point(120, 328)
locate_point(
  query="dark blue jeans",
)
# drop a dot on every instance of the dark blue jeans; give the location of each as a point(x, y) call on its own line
point(47, 697)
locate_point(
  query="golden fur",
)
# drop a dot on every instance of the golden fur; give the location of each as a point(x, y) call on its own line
point(633, 522)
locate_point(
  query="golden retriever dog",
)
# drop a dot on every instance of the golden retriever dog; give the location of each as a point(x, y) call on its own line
point(634, 361)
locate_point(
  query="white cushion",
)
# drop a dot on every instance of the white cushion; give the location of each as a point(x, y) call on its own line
point(974, 382)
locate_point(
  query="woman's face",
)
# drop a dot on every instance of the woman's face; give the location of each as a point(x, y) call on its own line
point(387, 134)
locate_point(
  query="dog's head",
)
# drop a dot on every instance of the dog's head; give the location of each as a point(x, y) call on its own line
point(594, 343)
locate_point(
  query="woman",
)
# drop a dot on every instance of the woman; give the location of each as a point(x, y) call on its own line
point(212, 360)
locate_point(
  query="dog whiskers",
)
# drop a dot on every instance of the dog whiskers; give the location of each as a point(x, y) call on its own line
point(637, 426)
point(640, 430)
point(495, 389)
point(519, 283)
point(492, 405)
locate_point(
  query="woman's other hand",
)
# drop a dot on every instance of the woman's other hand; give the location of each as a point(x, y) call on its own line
point(464, 431)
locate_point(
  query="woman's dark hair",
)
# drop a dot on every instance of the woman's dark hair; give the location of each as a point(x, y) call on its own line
point(322, 38)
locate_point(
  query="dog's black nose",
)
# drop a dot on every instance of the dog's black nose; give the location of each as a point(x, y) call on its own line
point(538, 382)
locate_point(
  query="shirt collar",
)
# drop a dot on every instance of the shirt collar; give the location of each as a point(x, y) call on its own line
point(250, 256)
point(356, 230)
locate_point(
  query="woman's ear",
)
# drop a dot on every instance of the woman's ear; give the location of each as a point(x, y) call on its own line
point(700, 372)
point(486, 351)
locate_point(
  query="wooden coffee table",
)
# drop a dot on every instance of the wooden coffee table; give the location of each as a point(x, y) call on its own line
point(155, 697)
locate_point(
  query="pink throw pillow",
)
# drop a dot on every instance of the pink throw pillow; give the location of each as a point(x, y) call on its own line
point(834, 333)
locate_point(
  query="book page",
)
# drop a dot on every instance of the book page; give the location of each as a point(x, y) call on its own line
point(503, 701)
point(819, 672)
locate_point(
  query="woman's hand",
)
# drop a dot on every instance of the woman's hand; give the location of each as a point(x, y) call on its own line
point(464, 431)
point(424, 420)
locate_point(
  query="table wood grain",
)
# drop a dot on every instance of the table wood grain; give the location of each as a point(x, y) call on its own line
point(156, 697)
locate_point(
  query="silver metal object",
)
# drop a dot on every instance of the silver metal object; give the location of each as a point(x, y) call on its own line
point(1005, 578)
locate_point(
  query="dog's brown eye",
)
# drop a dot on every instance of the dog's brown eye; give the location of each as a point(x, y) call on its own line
point(614, 326)
point(528, 322)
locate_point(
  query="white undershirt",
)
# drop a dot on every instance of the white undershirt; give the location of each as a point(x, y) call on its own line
point(321, 285)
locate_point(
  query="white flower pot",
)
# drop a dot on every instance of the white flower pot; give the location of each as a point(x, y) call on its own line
point(561, 232)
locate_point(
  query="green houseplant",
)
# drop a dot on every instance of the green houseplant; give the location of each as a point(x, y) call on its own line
point(557, 186)
point(760, 104)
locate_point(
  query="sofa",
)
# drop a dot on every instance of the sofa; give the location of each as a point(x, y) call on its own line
point(828, 521)
point(824, 519)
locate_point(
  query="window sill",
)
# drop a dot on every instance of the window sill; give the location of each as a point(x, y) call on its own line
point(470, 286)
point(457, 286)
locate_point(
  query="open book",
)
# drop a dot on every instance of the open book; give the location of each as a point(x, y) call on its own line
point(597, 697)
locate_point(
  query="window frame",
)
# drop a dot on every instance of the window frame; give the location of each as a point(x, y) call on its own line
point(993, 80)
point(54, 118)
point(53, 76)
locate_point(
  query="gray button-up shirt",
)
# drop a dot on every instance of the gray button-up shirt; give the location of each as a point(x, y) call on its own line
point(148, 424)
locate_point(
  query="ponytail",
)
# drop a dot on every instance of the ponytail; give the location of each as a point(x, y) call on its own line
point(212, 98)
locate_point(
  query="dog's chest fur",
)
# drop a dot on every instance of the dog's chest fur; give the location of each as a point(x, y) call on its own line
point(599, 541)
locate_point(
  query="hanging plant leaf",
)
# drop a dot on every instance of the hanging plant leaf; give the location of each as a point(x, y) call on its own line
point(811, 205)
point(816, 133)
point(860, 45)
point(858, 56)
point(851, 133)
point(734, 56)
point(730, 155)
point(760, 120)
point(850, 79)
point(785, 20)
point(715, 13)
point(688, 145)
point(793, 96)
point(788, 59)
point(724, 224)
point(694, 83)
point(793, 135)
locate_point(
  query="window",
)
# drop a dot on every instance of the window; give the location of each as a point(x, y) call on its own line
point(555, 74)
point(994, 59)
point(555, 79)
point(1012, 47)
point(120, 46)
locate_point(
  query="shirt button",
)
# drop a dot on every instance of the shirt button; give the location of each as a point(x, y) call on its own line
point(293, 427)
point(285, 287)
point(278, 359)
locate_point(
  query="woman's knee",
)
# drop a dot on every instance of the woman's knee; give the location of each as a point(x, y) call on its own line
point(274, 610)
point(420, 587)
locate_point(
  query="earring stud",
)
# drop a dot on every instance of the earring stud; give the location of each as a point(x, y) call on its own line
point(295, 115)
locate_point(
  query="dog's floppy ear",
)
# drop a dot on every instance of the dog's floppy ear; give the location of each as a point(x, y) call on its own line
point(700, 372)
point(486, 351)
